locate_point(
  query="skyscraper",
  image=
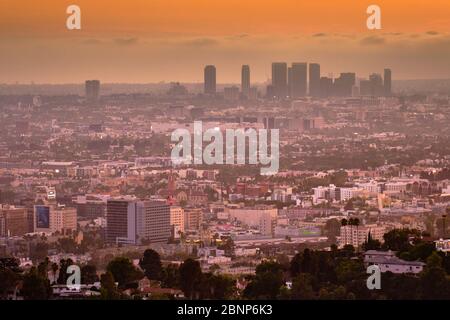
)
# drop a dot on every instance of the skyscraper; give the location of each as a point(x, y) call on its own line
point(121, 221)
point(376, 84)
point(289, 81)
point(245, 80)
point(387, 82)
point(344, 84)
point(279, 79)
point(92, 88)
point(210, 79)
point(314, 79)
point(298, 80)
point(326, 87)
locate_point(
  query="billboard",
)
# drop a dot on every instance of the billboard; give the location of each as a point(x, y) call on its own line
point(42, 217)
point(443, 245)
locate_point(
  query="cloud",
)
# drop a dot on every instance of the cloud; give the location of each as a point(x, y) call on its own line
point(320, 34)
point(432, 33)
point(373, 40)
point(125, 41)
point(201, 42)
point(92, 41)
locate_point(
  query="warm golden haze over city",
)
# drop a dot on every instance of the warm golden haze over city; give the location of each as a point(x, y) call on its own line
point(170, 40)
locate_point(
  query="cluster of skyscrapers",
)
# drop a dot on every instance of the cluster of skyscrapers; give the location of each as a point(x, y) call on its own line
point(300, 80)
point(92, 88)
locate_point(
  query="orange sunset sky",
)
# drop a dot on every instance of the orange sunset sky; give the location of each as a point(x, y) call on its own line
point(171, 40)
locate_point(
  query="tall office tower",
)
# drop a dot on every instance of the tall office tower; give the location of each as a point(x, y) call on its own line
point(298, 82)
point(376, 85)
point(122, 221)
point(314, 79)
point(365, 88)
point(245, 80)
point(344, 84)
point(289, 81)
point(154, 221)
point(387, 82)
point(279, 79)
point(13, 221)
point(210, 79)
point(92, 90)
point(326, 87)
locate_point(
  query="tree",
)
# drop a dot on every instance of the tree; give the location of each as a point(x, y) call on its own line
point(348, 270)
point(89, 274)
point(123, 271)
point(347, 251)
point(108, 287)
point(349, 205)
point(35, 287)
point(8, 281)
point(371, 244)
point(398, 239)
point(302, 288)
point(435, 284)
point(9, 275)
point(151, 264)
point(39, 252)
point(332, 229)
point(190, 277)
point(67, 245)
point(267, 283)
point(63, 265)
point(218, 287)
point(170, 276)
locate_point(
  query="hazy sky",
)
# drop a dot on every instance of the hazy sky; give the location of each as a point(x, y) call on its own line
point(172, 40)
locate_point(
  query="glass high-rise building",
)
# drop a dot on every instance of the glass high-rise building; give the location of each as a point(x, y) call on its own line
point(245, 80)
point(210, 79)
point(387, 82)
point(314, 79)
point(92, 88)
point(279, 79)
point(298, 80)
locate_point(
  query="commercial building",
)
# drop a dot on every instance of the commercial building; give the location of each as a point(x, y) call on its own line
point(298, 80)
point(153, 221)
point(121, 221)
point(314, 79)
point(129, 221)
point(13, 221)
point(279, 79)
point(193, 218)
point(210, 80)
point(177, 219)
point(92, 88)
point(245, 80)
point(261, 217)
point(54, 218)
